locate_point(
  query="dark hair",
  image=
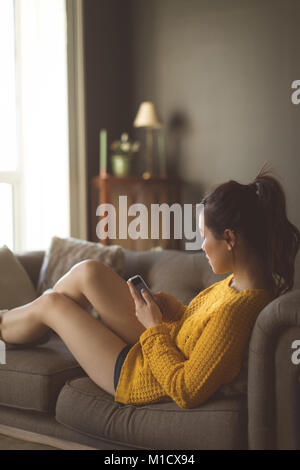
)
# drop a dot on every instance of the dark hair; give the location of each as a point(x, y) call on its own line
point(257, 211)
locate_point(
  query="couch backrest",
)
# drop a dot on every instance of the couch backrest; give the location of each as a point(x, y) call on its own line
point(180, 273)
point(32, 263)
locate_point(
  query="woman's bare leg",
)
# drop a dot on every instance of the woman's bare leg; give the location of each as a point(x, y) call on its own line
point(91, 282)
point(94, 346)
point(19, 325)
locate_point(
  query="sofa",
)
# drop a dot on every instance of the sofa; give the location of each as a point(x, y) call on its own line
point(44, 390)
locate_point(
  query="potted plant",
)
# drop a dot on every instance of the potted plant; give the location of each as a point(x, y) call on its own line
point(122, 158)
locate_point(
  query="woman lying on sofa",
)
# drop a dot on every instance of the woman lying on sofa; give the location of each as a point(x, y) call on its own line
point(140, 356)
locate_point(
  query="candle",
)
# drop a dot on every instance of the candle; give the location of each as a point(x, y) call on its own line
point(103, 152)
point(162, 159)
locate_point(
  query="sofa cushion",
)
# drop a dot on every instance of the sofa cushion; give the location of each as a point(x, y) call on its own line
point(16, 287)
point(217, 424)
point(32, 378)
point(64, 253)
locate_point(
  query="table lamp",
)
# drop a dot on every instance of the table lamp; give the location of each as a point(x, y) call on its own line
point(147, 117)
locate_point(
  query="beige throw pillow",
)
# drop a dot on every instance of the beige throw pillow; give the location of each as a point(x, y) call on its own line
point(16, 288)
point(66, 252)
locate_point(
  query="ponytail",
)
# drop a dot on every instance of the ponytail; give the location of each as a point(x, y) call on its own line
point(282, 237)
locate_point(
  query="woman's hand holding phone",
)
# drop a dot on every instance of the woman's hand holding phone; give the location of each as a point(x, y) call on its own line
point(147, 311)
point(151, 308)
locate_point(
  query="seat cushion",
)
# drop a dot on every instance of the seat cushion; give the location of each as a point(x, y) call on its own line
point(217, 424)
point(32, 378)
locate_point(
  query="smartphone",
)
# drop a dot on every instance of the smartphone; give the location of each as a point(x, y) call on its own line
point(139, 284)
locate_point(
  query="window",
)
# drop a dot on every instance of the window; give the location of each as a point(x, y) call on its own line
point(34, 146)
point(8, 123)
point(8, 116)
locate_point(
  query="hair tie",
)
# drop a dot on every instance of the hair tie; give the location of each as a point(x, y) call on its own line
point(255, 186)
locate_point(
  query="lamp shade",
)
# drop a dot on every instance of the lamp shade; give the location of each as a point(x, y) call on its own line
point(146, 116)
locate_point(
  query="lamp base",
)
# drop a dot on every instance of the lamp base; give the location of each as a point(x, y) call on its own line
point(146, 175)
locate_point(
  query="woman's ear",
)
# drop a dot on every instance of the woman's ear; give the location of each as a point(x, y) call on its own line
point(230, 238)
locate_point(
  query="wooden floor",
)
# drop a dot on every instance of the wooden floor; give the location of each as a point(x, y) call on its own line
point(10, 443)
point(19, 439)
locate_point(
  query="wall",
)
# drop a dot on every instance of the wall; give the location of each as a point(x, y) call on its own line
point(220, 74)
point(108, 69)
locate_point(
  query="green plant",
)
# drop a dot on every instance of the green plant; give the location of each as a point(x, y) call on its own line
point(125, 146)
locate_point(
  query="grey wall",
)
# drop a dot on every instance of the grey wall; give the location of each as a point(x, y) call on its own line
point(220, 74)
point(108, 74)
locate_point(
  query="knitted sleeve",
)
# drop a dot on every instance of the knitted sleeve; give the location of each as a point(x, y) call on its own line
point(215, 359)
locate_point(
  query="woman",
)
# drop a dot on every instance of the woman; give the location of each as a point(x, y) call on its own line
point(139, 356)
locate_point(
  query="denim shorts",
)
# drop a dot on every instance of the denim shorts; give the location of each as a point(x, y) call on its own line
point(119, 362)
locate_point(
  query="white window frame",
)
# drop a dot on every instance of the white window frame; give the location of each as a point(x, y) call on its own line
point(13, 178)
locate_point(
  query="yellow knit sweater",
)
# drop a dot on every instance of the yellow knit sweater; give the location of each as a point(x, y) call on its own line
point(189, 358)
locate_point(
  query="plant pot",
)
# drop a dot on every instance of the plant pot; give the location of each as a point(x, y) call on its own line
point(121, 165)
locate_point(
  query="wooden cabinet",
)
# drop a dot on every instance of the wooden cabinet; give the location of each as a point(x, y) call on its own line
point(122, 193)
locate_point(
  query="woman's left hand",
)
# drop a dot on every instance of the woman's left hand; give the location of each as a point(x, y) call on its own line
point(147, 312)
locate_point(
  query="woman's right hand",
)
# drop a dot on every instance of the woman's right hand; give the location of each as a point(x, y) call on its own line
point(168, 304)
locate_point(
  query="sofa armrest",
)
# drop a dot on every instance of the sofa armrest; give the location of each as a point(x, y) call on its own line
point(273, 379)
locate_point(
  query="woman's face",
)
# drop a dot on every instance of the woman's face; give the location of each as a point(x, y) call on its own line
point(216, 251)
